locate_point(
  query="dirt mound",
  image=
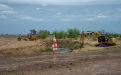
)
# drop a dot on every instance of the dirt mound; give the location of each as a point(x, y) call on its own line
point(88, 44)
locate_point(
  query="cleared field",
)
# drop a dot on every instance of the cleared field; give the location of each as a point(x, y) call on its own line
point(26, 58)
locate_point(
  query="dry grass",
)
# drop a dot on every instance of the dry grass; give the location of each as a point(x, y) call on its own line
point(19, 47)
point(35, 47)
point(13, 43)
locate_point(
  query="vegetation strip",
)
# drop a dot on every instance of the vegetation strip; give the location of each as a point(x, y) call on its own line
point(108, 51)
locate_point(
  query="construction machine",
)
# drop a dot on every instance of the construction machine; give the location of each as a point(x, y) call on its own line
point(102, 40)
point(29, 36)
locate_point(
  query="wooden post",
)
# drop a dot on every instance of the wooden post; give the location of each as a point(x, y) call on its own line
point(54, 59)
point(54, 56)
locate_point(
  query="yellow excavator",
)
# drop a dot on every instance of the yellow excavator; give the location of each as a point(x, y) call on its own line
point(102, 40)
point(29, 36)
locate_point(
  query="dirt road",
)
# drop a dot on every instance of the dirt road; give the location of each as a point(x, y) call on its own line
point(81, 63)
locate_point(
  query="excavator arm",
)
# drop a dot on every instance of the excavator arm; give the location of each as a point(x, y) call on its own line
point(83, 34)
point(82, 38)
point(96, 34)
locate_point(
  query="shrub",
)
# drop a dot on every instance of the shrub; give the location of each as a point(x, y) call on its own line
point(90, 36)
point(94, 38)
point(85, 36)
point(40, 33)
point(73, 45)
point(59, 34)
point(115, 35)
point(75, 38)
point(55, 33)
point(48, 50)
point(44, 35)
point(73, 33)
point(120, 35)
point(65, 34)
point(112, 33)
point(70, 33)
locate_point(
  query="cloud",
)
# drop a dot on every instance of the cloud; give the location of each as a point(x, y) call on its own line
point(88, 19)
point(66, 20)
point(61, 2)
point(49, 20)
point(3, 17)
point(59, 13)
point(119, 9)
point(8, 12)
point(32, 18)
point(2, 6)
point(12, 20)
point(38, 8)
point(101, 16)
point(44, 4)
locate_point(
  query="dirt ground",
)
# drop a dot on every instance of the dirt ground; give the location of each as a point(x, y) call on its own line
point(66, 64)
point(88, 60)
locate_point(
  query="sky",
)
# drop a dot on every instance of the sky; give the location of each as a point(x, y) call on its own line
point(20, 16)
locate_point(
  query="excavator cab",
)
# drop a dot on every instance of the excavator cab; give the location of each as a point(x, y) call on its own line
point(102, 39)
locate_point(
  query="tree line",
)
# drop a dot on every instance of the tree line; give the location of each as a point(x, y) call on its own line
point(107, 34)
point(70, 33)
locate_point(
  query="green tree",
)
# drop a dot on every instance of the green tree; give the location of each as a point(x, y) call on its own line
point(73, 33)
point(61, 34)
point(76, 32)
point(55, 32)
point(115, 35)
point(120, 35)
point(112, 33)
point(40, 33)
point(44, 35)
point(70, 33)
point(85, 36)
point(65, 35)
point(33, 31)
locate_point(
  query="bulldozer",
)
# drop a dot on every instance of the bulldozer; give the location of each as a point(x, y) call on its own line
point(102, 40)
point(30, 36)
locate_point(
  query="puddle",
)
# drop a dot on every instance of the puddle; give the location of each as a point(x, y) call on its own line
point(64, 49)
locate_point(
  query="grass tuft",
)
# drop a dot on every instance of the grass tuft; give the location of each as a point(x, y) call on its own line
point(106, 52)
point(119, 39)
point(73, 64)
point(48, 50)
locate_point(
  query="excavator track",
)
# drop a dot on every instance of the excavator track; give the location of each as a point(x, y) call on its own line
point(104, 45)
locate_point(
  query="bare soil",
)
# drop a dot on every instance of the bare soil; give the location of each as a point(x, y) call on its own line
point(66, 63)
point(85, 61)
